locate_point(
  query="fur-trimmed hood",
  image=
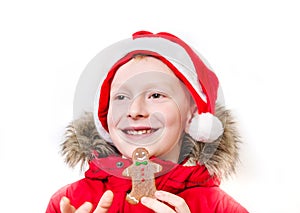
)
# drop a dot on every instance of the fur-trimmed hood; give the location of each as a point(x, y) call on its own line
point(220, 157)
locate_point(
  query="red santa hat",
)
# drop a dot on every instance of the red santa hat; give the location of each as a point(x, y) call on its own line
point(186, 64)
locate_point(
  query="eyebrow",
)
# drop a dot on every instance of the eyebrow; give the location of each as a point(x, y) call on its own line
point(162, 86)
point(160, 83)
point(118, 87)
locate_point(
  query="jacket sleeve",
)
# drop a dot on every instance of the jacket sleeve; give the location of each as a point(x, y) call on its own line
point(211, 199)
point(53, 205)
point(228, 204)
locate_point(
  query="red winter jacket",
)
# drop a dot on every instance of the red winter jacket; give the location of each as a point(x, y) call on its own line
point(193, 183)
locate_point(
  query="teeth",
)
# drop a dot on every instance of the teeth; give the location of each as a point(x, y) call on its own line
point(138, 132)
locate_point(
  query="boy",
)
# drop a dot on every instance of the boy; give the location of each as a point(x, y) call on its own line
point(152, 91)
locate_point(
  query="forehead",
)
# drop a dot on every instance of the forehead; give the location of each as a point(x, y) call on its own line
point(148, 74)
point(144, 69)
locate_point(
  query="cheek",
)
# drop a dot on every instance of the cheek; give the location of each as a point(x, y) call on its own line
point(176, 122)
point(115, 113)
point(178, 110)
point(172, 117)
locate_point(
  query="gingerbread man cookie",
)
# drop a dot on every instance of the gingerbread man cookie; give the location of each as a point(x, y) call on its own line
point(142, 173)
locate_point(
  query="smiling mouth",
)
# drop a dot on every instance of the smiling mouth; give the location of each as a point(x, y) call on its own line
point(144, 135)
point(139, 131)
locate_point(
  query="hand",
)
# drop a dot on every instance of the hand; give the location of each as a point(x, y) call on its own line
point(174, 200)
point(103, 205)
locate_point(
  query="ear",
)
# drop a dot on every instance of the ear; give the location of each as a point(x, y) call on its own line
point(191, 113)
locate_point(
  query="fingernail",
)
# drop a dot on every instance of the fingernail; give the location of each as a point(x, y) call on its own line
point(87, 206)
point(64, 200)
point(158, 194)
point(145, 200)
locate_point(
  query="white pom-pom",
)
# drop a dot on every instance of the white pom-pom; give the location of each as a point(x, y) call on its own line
point(205, 128)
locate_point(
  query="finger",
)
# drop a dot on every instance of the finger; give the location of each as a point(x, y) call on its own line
point(174, 200)
point(85, 208)
point(65, 206)
point(105, 202)
point(156, 205)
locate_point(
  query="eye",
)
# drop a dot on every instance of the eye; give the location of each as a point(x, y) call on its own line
point(156, 96)
point(120, 97)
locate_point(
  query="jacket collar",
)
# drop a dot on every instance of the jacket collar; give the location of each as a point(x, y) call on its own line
point(174, 177)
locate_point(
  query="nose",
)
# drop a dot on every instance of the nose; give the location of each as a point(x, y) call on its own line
point(138, 108)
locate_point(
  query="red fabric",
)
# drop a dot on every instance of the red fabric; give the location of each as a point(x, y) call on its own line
point(194, 184)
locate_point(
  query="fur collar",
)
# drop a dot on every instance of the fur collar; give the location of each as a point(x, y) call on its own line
point(220, 157)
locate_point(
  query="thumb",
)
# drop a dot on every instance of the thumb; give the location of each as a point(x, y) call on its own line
point(65, 206)
point(105, 202)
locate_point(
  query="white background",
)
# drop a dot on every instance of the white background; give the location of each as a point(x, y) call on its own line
point(253, 46)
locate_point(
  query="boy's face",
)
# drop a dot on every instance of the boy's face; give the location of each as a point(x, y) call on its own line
point(149, 107)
